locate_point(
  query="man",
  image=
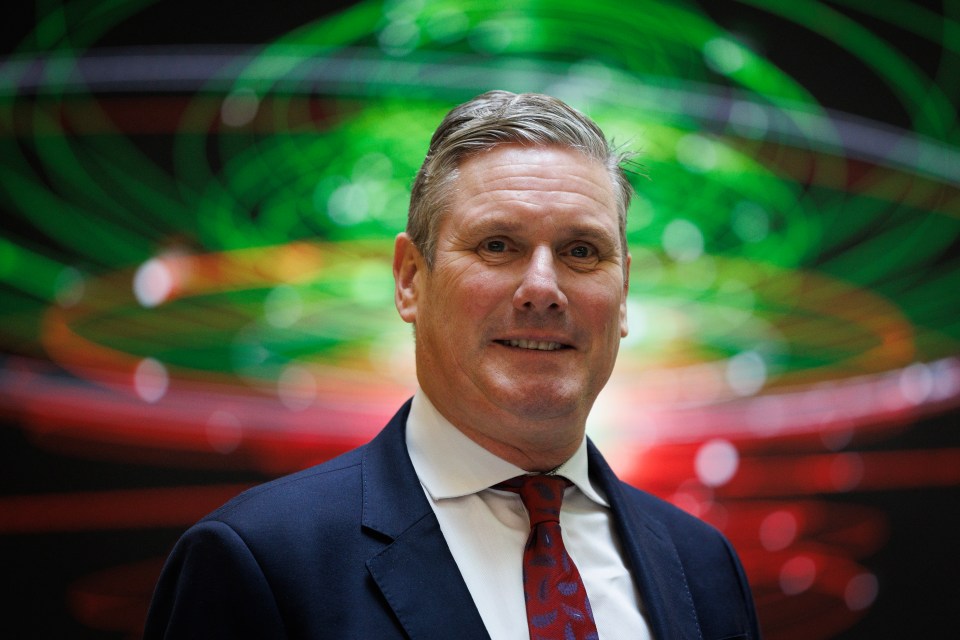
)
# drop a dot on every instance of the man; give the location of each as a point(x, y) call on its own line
point(514, 273)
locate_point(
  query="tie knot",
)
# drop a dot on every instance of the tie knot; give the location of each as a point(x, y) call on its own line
point(542, 495)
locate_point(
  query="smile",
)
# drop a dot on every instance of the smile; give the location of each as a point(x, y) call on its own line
point(538, 345)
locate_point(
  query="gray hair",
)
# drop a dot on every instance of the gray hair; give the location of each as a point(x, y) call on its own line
point(496, 118)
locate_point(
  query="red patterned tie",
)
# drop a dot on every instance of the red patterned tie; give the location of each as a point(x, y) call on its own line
point(557, 604)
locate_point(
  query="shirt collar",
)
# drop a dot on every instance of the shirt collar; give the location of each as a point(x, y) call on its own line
point(451, 465)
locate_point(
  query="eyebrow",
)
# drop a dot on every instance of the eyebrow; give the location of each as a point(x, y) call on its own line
point(489, 226)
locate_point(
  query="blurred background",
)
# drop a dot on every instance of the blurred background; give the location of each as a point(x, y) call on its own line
point(197, 207)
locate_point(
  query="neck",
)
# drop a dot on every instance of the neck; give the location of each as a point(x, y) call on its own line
point(534, 445)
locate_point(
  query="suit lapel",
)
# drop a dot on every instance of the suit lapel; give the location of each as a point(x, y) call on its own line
point(415, 571)
point(656, 566)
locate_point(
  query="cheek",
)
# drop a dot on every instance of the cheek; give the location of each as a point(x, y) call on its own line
point(475, 295)
point(605, 319)
point(458, 309)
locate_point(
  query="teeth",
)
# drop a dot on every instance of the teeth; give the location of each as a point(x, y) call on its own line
point(534, 344)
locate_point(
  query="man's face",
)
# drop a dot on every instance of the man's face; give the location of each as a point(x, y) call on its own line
point(520, 318)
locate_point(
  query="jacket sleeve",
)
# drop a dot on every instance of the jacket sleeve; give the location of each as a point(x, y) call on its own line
point(212, 587)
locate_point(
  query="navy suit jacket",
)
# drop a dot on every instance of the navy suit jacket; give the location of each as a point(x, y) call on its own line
point(351, 549)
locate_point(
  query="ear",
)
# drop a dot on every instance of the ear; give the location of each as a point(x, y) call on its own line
point(623, 303)
point(408, 264)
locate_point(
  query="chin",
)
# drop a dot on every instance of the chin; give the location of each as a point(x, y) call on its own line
point(542, 405)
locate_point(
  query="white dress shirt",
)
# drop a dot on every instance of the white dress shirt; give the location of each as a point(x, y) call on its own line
point(487, 529)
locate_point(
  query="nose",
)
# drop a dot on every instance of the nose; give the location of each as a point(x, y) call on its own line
point(539, 288)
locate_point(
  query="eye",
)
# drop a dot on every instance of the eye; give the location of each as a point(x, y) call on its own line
point(582, 252)
point(497, 249)
point(581, 255)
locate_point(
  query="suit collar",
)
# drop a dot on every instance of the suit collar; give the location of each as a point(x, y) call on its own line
point(654, 561)
point(393, 499)
point(415, 566)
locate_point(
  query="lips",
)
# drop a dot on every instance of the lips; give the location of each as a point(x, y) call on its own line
point(537, 345)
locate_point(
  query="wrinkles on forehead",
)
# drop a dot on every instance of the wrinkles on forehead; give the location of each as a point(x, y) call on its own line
point(543, 175)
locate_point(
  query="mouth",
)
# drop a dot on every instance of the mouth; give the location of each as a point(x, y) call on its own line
point(534, 345)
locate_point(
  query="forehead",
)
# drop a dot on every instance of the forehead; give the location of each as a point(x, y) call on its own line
point(536, 179)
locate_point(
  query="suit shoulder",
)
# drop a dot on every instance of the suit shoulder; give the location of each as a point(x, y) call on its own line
point(674, 518)
point(326, 483)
